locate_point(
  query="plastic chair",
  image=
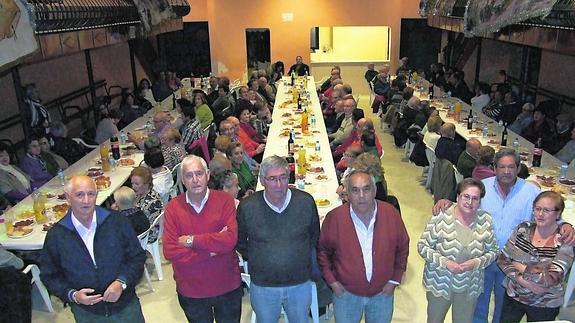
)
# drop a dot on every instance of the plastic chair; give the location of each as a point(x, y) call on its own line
point(569, 288)
point(247, 280)
point(143, 237)
point(178, 187)
point(154, 247)
point(39, 285)
point(430, 154)
point(83, 143)
point(458, 176)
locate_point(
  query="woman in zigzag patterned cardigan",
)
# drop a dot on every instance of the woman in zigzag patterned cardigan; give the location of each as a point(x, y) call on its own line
point(457, 245)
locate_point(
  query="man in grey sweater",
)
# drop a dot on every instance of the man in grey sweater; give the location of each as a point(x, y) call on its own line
point(278, 230)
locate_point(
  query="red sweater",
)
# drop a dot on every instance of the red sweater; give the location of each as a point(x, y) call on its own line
point(340, 257)
point(249, 144)
point(196, 272)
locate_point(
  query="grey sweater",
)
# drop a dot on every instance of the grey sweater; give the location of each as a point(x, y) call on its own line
point(279, 245)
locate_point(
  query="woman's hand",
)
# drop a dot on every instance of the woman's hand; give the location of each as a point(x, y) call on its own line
point(467, 265)
point(453, 267)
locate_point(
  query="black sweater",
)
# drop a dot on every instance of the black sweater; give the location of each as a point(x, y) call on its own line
point(279, 246)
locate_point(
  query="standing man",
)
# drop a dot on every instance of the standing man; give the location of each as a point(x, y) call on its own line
point(278, 229)
point(363, 252)
point(299, 67)
point(509, 200)
point(93, 260)
point(200, 232)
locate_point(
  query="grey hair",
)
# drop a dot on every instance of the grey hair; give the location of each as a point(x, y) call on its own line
point(125, 197)
point(272, 162)
point(59, 129)
point(228, 179)
point(152, 142)
point(347, 180)
point(190, 159)
point(507, 152)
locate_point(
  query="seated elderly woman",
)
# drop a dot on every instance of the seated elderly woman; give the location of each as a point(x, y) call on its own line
point(244, 114)
point(247, 179)
point(63, 146)
point(457, 245)
point(161, 175)
point(107, 127)
point(34, 165)
point(221, 145)
point(372, 165)
point(172, 149)
point(228, 182)
point(535, 263)
point(203, 112)
point(14, 183)
point(147, 200)
point(348, 158)
point(484, 167)
point(125, 198)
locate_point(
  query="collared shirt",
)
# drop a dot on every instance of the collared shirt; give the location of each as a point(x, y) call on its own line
point(283, 207)
point(87, 234)
point(508, 211)
point(204, 201)
point(365, 237)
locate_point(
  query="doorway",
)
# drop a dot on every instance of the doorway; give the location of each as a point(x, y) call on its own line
point(258, 49)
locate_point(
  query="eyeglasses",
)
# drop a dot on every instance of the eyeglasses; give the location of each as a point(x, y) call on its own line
point(545, 210)
point(281, 178)
point(469, 198)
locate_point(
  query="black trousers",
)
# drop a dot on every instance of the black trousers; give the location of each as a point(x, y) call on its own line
point(513, 311)
point(226, 308)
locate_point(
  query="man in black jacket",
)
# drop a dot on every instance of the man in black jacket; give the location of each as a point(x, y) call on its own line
point(93, 260)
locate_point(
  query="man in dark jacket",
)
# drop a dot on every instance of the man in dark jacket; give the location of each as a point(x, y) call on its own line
point(448, 147)
point(93, 260)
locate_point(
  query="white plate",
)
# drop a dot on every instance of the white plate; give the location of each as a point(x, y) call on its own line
point(20, 237)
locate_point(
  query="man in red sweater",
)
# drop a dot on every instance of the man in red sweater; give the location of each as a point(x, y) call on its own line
point(362, 252)
point(200, 233)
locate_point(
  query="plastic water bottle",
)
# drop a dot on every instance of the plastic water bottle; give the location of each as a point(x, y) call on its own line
point(563, 171)
point(317, 147)
point(112, 163)
point(485, 131)
point(123, 138)
point(516, 145)
point(61, 177)
point(313, 120)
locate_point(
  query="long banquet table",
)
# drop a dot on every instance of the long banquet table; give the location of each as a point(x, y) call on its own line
point(277, 143)
point(118, 177)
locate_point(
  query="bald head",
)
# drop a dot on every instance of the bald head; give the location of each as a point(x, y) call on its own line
point(81, 194)
point(472, 147)
point(447, 130)
point(414, 103)
point(236, 122)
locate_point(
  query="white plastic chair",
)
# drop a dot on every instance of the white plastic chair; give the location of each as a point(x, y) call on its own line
point(154, 247)
point(430, 154)
point(570, 287)
point(314, 304)
point(143, 237)
point(178, 186)
point(83, 143)
point(36, 282)
point(458, 176)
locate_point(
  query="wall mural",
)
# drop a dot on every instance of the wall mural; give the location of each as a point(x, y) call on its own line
point(17, 37)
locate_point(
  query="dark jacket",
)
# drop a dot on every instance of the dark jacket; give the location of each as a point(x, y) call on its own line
point(449, 149)
point(70, 150)
point(67, 265)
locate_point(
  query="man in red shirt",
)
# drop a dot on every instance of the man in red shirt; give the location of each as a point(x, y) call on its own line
point(200, 233)
point(374, 230)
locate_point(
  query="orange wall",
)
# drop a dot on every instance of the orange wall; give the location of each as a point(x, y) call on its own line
point(229, 19)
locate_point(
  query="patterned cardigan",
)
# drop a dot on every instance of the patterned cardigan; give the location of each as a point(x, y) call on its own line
point(445, 239)
point(553, 263)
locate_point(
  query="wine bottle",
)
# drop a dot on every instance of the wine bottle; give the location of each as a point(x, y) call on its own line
point(537, 153)
point(115, 143)
point(431, 91)
point(291, 141)
point(470, 120)
point(504, 135)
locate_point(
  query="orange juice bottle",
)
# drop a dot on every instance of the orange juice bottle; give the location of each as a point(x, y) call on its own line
point(457, 110)
point(295, 94)
point(39, 207)
point(104, 156)
point(301, 161)
point(304, 121)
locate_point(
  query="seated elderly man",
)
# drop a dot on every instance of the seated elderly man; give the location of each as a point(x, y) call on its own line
point(447, 146)
point(299, 67)
point(266, 90)
point(468, 158)
point(162, 121)
point(380, 87)
point(70, 150)
point(562, 133)
point(335, 74)
point(567, 153)
point(346, 126)
point(92, 259)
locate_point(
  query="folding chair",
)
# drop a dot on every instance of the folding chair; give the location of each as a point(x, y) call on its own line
point(154, 247)
point(143, 237)
point(36, 282)
point(430, 153)
point(458, 176)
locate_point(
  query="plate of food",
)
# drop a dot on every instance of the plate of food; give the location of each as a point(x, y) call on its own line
point(567, 182)
point(126, 162)
point(286, 115)
point(47, 226)
point(316, 169)
point(103, 183)
point(62, 197)
point(51, 196)
point(287, 123)
point(94, 172)
point(20, 228)
point(314, 158)
point(285, 133)
point(322, 202)
point(321, 178)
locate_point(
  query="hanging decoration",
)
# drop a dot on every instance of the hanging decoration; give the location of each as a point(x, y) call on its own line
point(154, 12)
point(17, 37)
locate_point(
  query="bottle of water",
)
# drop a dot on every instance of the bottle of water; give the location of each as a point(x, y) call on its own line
point(516, 145)
point(123, 138)
point(112, 163)
point(317, 147)
point(313, 120)
point(61, 177)
point(485, 131)
point(563, 171)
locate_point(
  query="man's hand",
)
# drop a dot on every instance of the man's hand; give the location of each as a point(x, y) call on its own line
point(441, 205)
point(453, 267)
point(535, 288)
point(83, 298)
point(567, 234)
point(389, 288)
point(113, 292)
point(337, 288)
point(260, 148)
point(182, 240)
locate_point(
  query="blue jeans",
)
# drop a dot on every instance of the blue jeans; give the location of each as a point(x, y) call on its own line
point(268, 301)
point(349, 308)
point(493, 282)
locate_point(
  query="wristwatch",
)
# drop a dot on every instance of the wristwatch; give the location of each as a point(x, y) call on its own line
point(123, 284)
point(189, 241)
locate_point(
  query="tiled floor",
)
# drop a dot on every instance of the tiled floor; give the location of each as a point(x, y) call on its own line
point(410, 303)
